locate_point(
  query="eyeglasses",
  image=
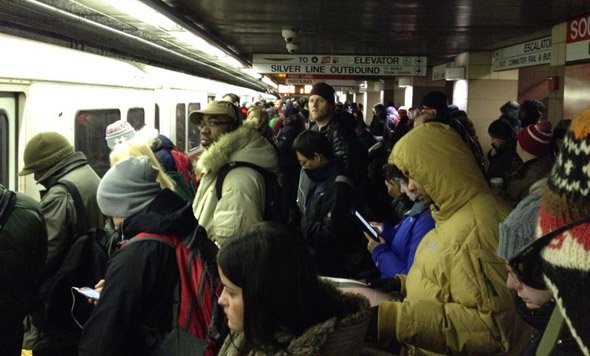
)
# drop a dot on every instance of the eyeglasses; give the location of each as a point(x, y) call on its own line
point(212, 124)
point(527, 265)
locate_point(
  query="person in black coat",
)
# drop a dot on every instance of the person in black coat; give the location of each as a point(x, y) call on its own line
point(23, 249)
point(135, 307)
point(327, 223)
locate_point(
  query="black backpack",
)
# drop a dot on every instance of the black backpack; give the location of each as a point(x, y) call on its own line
point(272, 206)
point(83, 265)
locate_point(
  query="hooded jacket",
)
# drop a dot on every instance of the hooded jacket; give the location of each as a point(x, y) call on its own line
point(135, 307)
point(57, 207)
point(456, 300)
point(23, 247)
point(243, 193)
point(332, 337)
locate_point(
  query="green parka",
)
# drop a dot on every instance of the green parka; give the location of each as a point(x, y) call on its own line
point(456, 300)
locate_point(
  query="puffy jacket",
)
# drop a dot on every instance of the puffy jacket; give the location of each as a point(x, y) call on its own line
point(23, 248)
point(522, 176)
point(58, 210)
point(456, 300)
point(333, 337)
point(396, 255)
point(242, 198)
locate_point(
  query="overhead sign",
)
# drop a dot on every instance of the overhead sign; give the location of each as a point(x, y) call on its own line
point(311, 79)
point(578, 39)
point(526, 54)
point(340, 65)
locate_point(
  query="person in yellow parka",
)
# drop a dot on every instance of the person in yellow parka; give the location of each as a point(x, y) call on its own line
point(455, 297)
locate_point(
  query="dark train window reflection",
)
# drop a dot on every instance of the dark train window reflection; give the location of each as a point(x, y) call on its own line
point(181, 126)
point(194, 135)
point(90, 136)
point(136, 117)
point(4, 148)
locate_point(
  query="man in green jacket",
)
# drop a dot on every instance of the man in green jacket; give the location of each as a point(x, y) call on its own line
point(23, 248)
point(455, 297)
point(51, 158)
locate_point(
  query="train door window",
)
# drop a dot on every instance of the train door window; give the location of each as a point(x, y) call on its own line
point(90, 136)
point(210, 98)
point(136, 117)
point(157, 117)
point(181, 126)
point(4, 148)
point(194, 134)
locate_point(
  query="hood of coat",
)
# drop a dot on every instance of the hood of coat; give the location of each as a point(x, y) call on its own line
point(78, 159)
point(434, 155)
point(244, 144)
point(168, 213)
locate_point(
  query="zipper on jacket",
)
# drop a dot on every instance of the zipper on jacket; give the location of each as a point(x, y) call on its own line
point(488, 282)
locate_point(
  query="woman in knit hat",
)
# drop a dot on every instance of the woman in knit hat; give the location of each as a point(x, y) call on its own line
point(566, 257)
point(141, 276)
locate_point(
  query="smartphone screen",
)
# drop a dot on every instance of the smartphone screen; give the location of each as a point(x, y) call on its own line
point(366, 226)
point(88, 292)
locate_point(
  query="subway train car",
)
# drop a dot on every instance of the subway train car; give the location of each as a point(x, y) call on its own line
point(45, 87)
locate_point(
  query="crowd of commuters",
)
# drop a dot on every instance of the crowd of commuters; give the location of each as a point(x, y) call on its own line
point(457, 251)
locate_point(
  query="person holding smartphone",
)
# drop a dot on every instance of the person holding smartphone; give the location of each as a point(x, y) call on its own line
point(394, 252)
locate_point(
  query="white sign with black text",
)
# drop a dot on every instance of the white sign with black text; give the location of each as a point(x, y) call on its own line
point(526, 54)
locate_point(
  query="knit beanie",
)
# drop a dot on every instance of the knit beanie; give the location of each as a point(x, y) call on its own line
point(536, 139)
point(436, 100)
point(325, 91)
point(128, 187)
point(566, 260)
point(511, 109)
point(519, 228)
point(501, 129)
point(118, 132)
point(45, 150)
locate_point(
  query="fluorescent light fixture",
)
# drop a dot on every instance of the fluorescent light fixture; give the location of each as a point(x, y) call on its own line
point(268, 81)
point(231, 61)
point(143, 13)
point(251, 72)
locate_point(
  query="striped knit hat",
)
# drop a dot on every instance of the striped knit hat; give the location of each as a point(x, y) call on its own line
point(566, 260)
point(536, 139)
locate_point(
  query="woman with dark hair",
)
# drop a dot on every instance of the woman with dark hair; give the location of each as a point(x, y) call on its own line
point(276, 304)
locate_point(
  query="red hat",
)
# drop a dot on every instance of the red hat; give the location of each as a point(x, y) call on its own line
point(536, 139)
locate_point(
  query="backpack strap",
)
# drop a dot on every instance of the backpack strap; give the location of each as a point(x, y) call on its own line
point(7, 203)
point(223, 171)
point(81, 220)
point(551, 333)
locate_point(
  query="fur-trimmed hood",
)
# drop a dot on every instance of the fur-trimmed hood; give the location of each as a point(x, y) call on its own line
point(243, 144)
point(331, 337)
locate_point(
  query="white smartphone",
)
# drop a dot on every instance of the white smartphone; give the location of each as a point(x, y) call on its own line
point(88, 292)
point(366, 226)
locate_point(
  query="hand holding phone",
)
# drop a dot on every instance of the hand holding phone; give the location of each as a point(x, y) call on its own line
point(366, 226)
point(88, 292)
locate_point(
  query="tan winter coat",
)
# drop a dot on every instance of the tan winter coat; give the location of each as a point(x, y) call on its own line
point(456, 300)
point(242, 198)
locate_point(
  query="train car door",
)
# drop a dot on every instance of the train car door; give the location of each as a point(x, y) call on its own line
point(8, 142)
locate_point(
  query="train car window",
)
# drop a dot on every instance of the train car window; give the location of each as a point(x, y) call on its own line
point(4, 148)
point(210, 98)
point(181, 126)
point(194, 134)
point(90, 136)
point(136, 117)
point(157, 117)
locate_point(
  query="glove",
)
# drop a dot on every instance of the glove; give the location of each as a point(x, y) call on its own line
point(386, 285)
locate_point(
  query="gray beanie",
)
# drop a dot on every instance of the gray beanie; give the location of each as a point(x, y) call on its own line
point(519, 228)
point(128, 187)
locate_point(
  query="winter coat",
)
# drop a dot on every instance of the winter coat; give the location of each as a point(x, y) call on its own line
point(396, 255)
point(522, 175)
point(499, 164)
point(332, 337)
point(327, 225)
point(340, 133)
point(135, 307)
point(289, 169)
point(456, 299)
point(58, 210)
point(242, 199)
point(23, 249)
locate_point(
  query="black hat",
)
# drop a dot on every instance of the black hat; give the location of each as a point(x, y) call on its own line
point(325, 91)
point(501, 129)
point(436, 100)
